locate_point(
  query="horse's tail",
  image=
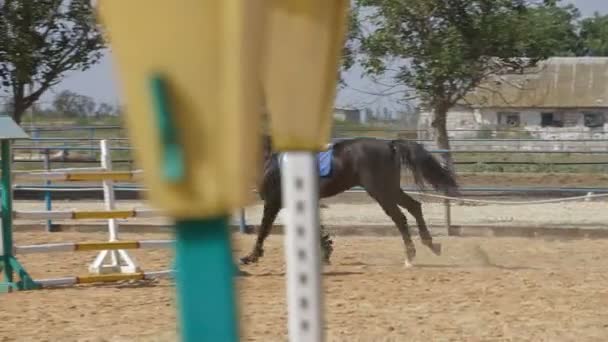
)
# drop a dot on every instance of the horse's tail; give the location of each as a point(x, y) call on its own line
point(425, 167)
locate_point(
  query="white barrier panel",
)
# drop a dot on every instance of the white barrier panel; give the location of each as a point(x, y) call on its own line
point(43, 215)
point(51, 247)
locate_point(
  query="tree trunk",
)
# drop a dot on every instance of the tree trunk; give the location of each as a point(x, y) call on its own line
point(19, 106)
point(18, 110)
point(441, 135)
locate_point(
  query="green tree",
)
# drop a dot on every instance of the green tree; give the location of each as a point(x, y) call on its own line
point(73, 105)
point(106, 109)
point(41, 40)
point(442, 49)
point(594, 36)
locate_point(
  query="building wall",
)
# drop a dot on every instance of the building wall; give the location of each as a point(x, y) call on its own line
point(339, 116)
point(462, 122)
point(460, 118)
point(352, 115)
point(572, 123)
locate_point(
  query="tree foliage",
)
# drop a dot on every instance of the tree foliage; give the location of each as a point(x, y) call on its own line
point(594, 36)
point(442, 49)
point(72, 105)
point(41, 40)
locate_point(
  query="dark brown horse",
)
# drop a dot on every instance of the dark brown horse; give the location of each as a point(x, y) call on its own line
point(373, 164)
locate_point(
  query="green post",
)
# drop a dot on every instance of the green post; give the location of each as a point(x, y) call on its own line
point(204, 270)
point(205, 281)
point(10, 265)
point(7, 236)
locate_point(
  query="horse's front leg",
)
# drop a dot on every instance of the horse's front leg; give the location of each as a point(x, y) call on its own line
point(271, 210)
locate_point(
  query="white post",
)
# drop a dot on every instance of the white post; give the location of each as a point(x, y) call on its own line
point(302, 250)
point(108, 189)
point(110, 204)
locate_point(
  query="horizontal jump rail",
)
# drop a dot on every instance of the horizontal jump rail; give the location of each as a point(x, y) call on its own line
point(62, 140)
point(75, 189)
point(103, 278)
point(67, 148)
point(65, 188)
point(86, 214)
point(92, 246)
point(81, 176)
point(65, 169)
point(65, 128)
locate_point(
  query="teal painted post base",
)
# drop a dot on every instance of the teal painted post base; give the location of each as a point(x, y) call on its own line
point(205, 281)
point(9, 266)
point(15, 268)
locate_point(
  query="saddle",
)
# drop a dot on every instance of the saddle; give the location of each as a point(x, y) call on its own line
point(324, 159)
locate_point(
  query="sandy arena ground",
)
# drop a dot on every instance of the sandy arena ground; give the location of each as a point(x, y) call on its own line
point(499, 289)
point(480, 289)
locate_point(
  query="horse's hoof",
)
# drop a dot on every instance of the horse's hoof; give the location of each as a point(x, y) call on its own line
point(247, 260)
point(436, 248)
point(410, 255)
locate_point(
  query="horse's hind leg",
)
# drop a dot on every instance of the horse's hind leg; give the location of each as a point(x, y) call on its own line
point(415, 209)
point(326, 245)
point(271, 210)
point(392, 210)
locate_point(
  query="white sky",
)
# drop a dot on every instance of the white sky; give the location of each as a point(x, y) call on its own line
point(100, 83)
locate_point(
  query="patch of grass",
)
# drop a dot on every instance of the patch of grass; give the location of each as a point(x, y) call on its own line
point(535, 162)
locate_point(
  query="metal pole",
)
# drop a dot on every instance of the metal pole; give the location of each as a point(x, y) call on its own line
point(92, 138)
point(302, 250)
point(242, 221)
point(10, 265)
point(205, 275)
point(47, 194)
point(448, 216)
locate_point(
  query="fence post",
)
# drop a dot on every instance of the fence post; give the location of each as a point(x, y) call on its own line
point(47, 194)
point(242, 223)
point(448, 216)
point(91, 140)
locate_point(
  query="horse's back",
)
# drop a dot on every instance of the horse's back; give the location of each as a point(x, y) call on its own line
point(366, 149)
point(367, 158)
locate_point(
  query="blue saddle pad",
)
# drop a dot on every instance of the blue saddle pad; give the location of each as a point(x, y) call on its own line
point(323, 162)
